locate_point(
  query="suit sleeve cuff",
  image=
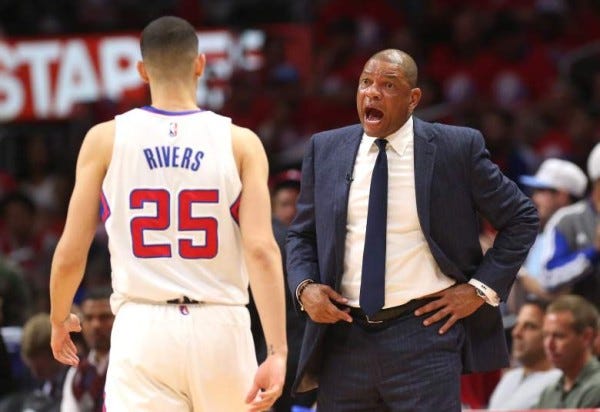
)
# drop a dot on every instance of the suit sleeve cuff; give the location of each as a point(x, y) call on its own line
point(488, 294)
point(300, 289)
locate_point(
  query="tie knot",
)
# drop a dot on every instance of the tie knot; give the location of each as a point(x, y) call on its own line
point(381, 144)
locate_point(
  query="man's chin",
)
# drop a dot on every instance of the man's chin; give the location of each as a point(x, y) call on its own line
point(373, 130)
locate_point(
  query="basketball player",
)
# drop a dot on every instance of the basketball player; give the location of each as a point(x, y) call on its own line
point(186, 206)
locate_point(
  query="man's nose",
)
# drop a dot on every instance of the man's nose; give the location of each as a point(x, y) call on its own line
point(373, 92)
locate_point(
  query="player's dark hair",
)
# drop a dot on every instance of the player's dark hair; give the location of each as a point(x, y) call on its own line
point(168, 41)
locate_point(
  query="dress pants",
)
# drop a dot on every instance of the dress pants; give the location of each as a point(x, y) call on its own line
point(397, 366)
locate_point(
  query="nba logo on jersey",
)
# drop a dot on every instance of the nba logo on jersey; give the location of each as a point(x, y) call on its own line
point(172, 129)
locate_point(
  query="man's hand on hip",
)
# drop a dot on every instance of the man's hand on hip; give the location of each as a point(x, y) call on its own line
point(455, 302)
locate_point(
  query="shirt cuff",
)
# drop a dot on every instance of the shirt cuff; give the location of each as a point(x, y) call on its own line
point(300, 289)
point(488, 294)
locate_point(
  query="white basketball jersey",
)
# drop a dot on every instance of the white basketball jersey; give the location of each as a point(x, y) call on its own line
point(170, 203)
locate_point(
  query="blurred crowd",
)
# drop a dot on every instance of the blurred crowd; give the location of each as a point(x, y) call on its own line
point(524, 72)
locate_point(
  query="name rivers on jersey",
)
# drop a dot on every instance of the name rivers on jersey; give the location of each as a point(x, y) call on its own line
point(173, 156)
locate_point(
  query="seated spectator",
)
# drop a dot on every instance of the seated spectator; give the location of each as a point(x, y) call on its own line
point(284, 194)
point(556, 184)
point(22, 244)
point(520, 388)
point(83, 390)
point(15, 299)
point(48, 373)
point(570, 327)
point(571, 250)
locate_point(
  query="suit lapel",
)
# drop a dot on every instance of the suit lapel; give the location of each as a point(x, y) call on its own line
point(345, 154)
point(424, 151)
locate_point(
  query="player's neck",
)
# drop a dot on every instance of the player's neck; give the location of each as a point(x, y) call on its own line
point(175, 97)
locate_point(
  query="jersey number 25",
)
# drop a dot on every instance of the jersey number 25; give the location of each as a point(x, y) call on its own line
point(186, 222)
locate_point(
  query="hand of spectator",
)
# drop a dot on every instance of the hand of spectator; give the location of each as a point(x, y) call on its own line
point(454, 303)
point(63, 348)
point(268, 383)
point(318, 301)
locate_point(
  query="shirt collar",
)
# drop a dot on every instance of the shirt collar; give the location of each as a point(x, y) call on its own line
point(591, 367)
point(398, 140)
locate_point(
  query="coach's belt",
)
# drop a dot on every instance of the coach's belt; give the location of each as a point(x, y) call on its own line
point(183, 300)
point(388, 314)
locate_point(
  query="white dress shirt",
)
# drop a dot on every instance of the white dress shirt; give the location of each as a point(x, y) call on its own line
point(411, 270)
point(69, 403)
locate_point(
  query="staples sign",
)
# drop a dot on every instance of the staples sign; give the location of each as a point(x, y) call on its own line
point(46, 78)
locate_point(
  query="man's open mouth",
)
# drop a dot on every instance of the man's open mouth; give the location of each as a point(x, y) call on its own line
point(373, 115)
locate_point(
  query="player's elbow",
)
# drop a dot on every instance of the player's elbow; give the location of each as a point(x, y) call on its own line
point(65, 262)
point(262, 252)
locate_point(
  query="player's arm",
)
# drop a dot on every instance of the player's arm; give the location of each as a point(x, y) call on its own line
point(263, 257)
point(70, 256)
point(263, 260)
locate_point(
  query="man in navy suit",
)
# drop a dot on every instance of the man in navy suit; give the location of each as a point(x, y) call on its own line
point(435, 312)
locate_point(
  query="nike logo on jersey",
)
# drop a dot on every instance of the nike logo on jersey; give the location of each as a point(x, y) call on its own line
point(173, 156)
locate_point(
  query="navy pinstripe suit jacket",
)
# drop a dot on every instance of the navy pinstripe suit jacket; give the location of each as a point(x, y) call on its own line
point(455, 182)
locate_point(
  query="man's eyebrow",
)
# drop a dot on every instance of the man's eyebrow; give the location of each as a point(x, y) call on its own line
point(387, 75)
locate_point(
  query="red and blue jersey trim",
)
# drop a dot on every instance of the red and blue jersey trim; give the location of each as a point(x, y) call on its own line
point(104, 207)
point(170, 113)
point(235, 209)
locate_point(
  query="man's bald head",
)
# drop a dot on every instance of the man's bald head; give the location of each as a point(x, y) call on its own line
point(403, 60)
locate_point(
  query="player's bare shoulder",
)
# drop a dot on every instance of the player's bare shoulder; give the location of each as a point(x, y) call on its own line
point(246, 145)
point(99, 140)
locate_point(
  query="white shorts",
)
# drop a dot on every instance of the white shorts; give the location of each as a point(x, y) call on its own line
point(180, 358)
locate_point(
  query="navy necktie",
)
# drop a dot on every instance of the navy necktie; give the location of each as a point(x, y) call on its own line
point(372, 286)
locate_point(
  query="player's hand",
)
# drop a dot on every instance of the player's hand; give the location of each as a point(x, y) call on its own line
point(455, 302)
point(268, 383)
point(63, 348)
point(318, 301)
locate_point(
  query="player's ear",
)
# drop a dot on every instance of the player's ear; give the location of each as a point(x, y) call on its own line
point(142, 71)
point(200, 64)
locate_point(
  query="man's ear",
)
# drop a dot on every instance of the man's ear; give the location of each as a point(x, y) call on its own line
point(415, 98)
point(141, 68)
point(589, 335)
point(200, 64)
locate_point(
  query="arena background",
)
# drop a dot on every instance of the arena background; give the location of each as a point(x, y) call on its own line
point(525, 72)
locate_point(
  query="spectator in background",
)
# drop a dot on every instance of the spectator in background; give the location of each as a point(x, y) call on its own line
point(570, 327)
point(48, 373)
point(83, 390)
point(571, 250)
point(286, 187)
point(15, 297)
point(39, 181)
point(520, 388)
point(19, 241)
point(557, 183)
point(22, 244)
point(506, 151)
